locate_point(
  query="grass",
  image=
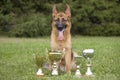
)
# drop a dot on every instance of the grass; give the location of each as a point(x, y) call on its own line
point(17, 63)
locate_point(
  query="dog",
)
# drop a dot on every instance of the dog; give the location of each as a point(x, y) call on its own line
point(61, 36)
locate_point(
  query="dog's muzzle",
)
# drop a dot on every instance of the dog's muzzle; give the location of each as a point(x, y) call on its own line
point(60, 26)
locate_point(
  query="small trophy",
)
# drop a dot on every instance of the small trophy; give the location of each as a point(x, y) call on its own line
point(78, 61)
point(40, 60)
point(54, 56)
point(88, 53)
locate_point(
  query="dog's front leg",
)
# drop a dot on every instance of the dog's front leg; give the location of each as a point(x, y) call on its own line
point(68, 60)
point(50, 65)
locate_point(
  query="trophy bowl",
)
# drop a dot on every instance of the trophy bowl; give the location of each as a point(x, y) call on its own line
point(39, 61)
point(54, 56)
point(78, 59)
point(88, 53)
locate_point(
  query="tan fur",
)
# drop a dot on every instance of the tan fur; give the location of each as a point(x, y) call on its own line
point(66, 43)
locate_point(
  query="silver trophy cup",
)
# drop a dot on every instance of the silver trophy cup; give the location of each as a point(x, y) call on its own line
point(78, 61)
point(54, 56)
point(88, 54)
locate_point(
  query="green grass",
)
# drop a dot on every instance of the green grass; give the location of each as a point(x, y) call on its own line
point(17, 63)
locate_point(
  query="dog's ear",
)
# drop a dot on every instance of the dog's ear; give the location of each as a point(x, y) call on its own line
point(67, 10)
point(55, 11)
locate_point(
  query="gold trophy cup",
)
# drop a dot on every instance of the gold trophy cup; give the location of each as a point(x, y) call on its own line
point(54, 56)
point(40, 60)
point(78, 61)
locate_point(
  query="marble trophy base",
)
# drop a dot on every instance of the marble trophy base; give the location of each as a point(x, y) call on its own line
point(40, 73)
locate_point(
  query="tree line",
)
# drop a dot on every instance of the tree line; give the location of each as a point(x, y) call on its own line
point(32, 18)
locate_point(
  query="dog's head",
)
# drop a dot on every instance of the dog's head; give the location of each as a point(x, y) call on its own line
point(61, 21)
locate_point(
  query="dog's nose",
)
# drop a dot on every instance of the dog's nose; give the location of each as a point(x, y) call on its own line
point(60, 26)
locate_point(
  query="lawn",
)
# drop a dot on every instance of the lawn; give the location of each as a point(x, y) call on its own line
point(17, 63)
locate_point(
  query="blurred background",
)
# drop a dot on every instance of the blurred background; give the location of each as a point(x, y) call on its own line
point(32, 18)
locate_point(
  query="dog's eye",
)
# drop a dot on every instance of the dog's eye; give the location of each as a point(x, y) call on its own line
point(57, 20)
point(64, 20)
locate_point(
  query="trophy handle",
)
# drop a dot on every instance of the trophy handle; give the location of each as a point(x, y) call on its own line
point(46, 50)
point(64, 50)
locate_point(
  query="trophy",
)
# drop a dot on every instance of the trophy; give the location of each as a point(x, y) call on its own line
point(40, 60)
point(54, 56)
point(88, 53)
point(78, 61)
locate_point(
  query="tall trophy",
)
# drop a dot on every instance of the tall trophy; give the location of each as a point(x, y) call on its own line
point(78, 61)
point(54, 56)
point(40, 60)
point(88, 54)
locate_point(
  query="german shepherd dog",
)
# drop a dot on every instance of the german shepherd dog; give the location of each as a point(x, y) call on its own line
point(61, 37)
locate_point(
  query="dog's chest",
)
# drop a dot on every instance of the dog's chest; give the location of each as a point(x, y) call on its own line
point(60, 45)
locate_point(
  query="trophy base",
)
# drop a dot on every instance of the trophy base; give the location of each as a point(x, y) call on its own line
point(39, 73)
point(54, 73)
point(89, 72)
point(42, 75)
point(77, 74)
